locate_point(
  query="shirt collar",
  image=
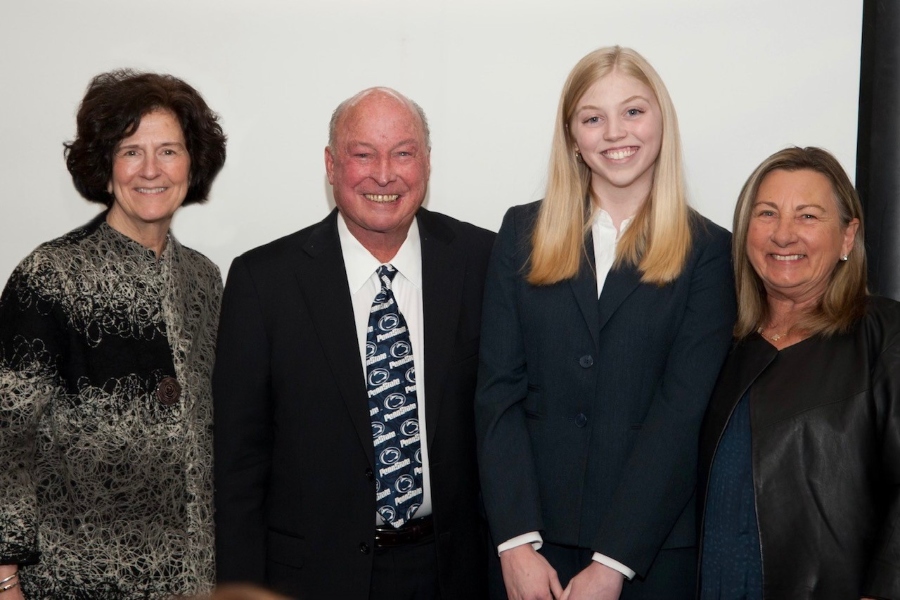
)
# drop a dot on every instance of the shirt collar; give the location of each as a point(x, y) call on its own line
point(360, 264)
point(602, 219)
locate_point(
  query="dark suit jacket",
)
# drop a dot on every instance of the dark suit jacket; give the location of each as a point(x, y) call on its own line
point(294, 459)
point(588, 411)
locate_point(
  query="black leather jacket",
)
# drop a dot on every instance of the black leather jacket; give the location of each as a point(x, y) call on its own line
point(826, 457)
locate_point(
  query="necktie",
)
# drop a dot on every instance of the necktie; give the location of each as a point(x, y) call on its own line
point(393, 407)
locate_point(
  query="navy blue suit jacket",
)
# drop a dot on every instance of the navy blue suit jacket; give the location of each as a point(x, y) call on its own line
point(587, 410)
point(294, 458)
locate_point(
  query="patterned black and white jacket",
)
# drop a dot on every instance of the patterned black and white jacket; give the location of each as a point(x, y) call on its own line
point(105, 418)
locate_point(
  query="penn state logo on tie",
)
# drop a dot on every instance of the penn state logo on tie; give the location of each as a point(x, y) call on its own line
point(393, 407)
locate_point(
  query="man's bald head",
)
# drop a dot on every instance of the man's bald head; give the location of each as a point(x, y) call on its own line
point(340, 112)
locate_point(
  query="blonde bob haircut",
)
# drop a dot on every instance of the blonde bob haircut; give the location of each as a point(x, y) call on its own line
point(844, 299)
point(659, 238)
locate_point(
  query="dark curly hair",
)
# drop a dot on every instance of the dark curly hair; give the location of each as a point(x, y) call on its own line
point(112, 109)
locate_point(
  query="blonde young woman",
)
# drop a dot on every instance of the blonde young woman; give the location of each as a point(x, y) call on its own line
point(608, 312)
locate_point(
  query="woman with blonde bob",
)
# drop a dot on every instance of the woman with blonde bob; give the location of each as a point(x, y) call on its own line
point(800, 447)
point(608, 311)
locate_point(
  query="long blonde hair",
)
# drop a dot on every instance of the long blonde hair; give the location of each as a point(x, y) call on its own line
point(659, 238)
point(844, 300)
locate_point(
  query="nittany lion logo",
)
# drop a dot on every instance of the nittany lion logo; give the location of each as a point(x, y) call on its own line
point(389, 456)
point(404, 483)
point(400, 349)
point(418, 456)
point(394, 401)
point(388, 322)
point(370, 349)
point(410, 427)
point(377, 428)
point(411, 375)
point(411, 510)
point(387, 513)
point(378, 376)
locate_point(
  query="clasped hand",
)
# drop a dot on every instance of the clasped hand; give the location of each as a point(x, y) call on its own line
point(528, 576)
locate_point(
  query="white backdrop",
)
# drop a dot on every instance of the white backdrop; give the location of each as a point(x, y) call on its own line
point(747, 78)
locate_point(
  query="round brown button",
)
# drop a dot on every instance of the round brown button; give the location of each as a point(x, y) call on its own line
point(168, 391)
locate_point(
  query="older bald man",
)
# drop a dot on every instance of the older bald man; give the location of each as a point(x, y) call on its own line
point(344, 384)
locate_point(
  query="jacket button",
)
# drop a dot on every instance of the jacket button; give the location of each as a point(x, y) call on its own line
point(581, 419)
point(586, 361)
point(370, 475)
point(168, 391)
point(363, 548)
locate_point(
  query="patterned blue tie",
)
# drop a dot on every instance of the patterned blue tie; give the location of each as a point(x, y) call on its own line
point(391, 384)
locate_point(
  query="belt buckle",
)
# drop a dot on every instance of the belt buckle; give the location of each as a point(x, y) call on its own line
point(417, 529)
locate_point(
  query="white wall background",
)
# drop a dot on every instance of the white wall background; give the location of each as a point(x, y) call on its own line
point(747, 78)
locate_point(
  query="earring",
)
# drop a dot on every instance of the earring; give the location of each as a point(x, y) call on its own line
point(844, 258)
point(577, 156)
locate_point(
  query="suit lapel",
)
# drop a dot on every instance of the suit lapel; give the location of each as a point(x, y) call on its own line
point(584, 286)
point(323, 283)
point(619, 284)
point(443, 271)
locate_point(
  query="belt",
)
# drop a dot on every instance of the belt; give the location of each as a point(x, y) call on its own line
point(410, 533)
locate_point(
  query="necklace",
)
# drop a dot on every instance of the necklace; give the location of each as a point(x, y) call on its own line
point(774, 337)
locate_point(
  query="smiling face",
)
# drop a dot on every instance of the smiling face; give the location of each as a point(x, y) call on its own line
point(150, 178)
point(795, 236)
point(379, 168)
point(617, 128)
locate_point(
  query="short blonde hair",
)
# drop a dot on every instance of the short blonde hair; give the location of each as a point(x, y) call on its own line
point(659, 238)
point(844, 300)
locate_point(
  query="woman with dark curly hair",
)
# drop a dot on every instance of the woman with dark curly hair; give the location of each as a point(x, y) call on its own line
point(106, 347)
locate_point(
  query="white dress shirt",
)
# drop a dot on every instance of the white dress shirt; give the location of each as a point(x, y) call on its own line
point(364, 284)
point(605, 239)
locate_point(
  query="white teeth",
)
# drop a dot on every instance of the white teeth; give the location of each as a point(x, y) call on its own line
point(620, 153)
point(788, 257)
point(158, 190)
point(381, 197)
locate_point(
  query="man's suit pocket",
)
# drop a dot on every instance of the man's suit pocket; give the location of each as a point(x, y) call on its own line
point(286, 549)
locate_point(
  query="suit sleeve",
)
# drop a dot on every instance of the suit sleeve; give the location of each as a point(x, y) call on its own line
point(659, 477)
point(883, 577)
point(508, 477)
point(242, 430)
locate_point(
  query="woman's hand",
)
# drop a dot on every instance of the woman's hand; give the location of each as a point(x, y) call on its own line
point(14, 593)
point(527, 575)
point(595, 582)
